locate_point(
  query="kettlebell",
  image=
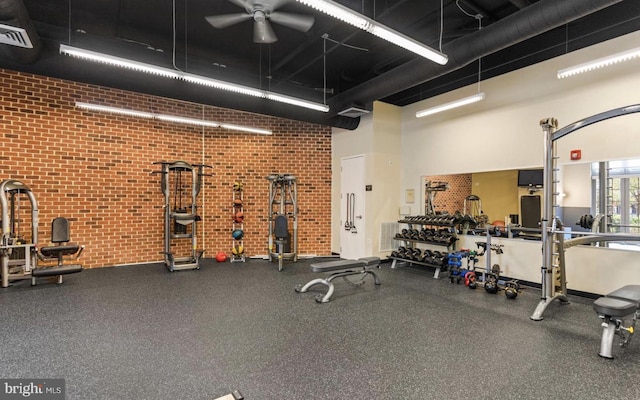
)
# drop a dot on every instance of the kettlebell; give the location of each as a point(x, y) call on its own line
point(469, 277)
point(491, 285)
point(511, 291)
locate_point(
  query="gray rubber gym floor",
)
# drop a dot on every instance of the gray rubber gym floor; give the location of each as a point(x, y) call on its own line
point(141, 332)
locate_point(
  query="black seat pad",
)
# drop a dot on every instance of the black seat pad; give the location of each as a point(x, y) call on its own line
point(614, 307)
point(55, 271)
point(336, 265)
point(53, 251)
point(628, 292)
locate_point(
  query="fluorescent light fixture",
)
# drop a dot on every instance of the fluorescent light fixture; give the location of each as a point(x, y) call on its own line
point(170, 118)
point(217, 84)
point(245, 129)
point(353, 18)
point(599, 63)
point(186, 121)
point(449, 106)
point(191, 78)
point(114, 110)
point(296, 102)
point(117, 61)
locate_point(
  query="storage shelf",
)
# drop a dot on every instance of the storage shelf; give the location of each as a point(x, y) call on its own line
point(426, 241)
point(436, 274)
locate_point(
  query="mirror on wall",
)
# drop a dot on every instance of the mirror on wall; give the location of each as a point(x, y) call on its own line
point(495, 196)
point(516, 196)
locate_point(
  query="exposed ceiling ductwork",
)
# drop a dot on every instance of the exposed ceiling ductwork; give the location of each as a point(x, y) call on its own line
point(331, 63)
point(20, 39)
point(529, 22)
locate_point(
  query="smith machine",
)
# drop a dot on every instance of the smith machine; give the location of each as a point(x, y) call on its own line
point(181, 213)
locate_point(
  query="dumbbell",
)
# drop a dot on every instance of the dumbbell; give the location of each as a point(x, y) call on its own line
point(438, 258)
point(422, 235)
point(401, 251)
point(445, 237)
point(428, 235)
point(426, 256)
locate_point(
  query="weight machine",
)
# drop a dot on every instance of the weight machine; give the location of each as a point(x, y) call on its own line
point(431, 190)
point(283, 206)
point(19, 253)
point(181, 212)
point(554, 285)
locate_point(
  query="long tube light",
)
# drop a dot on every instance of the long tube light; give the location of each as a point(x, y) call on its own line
point(170, 118)
point(191, 78)
point(353, 18)
point(599, 63)
point(448, 106)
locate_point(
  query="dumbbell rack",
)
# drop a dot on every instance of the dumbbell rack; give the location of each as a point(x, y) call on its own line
point(424, 221)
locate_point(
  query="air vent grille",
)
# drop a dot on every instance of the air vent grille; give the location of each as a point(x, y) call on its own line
point(388, 231)
point(14, 36)
point(353, 112)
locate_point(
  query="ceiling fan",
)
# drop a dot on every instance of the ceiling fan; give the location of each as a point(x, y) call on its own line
point(262, 11)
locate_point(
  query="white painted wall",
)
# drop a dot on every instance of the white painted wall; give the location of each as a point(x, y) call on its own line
point(378, 138)
point(503, 132)
point(345, 143)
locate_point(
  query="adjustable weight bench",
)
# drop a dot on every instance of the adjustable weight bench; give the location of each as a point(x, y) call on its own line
point(612, 309)
point(341, 268)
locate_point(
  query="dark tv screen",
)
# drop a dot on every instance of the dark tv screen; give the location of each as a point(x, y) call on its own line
point(530, 177)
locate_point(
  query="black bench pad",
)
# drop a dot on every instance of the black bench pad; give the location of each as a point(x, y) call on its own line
point(53, 251)
point(55, 271)
point(338, 265)
point(614, 307)
point(629, 293)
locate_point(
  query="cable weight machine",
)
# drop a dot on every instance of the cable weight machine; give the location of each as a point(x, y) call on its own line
point(283, 207)
point(180, 210)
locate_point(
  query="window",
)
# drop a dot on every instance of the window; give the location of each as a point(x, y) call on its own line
point(622, 197)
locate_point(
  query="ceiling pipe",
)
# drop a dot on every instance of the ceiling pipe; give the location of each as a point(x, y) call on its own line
point(14, 13)
point(522, 25)
point(529, 22)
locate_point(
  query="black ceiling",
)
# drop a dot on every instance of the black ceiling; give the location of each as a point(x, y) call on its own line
point(332, 61)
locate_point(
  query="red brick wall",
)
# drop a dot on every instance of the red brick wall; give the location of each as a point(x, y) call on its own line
point(95, 168)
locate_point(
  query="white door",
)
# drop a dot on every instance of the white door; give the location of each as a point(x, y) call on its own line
point(352, 190)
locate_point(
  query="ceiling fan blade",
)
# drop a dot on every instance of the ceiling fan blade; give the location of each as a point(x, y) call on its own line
point(300, 22)
point(222, 21)
point(263, 33)
point(239, 3)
